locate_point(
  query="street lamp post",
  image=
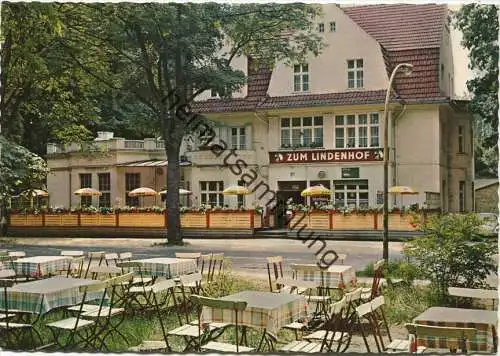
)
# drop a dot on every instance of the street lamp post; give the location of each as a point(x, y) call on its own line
point(407, 67)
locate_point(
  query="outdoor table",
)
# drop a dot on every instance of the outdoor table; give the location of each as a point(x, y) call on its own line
point(42, 296)
point(265, 311)
point(335, 276)
point(40, 266)
point(481, 320)
point(167, 267)
point(474, 293)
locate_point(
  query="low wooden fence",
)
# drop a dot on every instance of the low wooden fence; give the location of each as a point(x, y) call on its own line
point(208, 220)
point(329, 220)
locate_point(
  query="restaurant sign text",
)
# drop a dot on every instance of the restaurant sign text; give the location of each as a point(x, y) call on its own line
point(329, 156)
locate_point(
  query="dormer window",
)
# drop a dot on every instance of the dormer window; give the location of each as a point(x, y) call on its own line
point(300, 77)
point(333, 26)
point(355, 73)
point(321, 27)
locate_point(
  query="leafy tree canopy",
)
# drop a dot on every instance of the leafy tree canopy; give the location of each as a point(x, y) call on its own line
point(479, 25)
point(21, 169)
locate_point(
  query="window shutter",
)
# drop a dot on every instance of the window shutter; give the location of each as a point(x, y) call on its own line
point(223, 135)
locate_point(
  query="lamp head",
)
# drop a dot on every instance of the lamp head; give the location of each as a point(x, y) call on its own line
point(407, 68)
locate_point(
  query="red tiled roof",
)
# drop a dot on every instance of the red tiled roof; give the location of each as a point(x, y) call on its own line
point(401, 26)
point(407, 33)
point(258, 79)
point(346, 98)
point(424, 79)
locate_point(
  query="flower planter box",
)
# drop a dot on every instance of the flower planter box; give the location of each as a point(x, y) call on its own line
point(230, 220)
point(319, 221)
point(26, 220)
point(98, 220)
point(397, 222)
point(257, 221)
point(61, 219)
point(194, 220)
point(298, 220)
point(353, 222)
point(141, 220)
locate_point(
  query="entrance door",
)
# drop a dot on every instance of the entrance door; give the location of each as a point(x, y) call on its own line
point(287, 190)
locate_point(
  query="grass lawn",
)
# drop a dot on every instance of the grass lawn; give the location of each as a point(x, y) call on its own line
point(403, 304)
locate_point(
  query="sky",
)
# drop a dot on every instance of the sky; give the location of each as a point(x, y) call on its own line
point(460, 59)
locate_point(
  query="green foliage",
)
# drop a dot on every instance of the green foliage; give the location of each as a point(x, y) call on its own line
point(395, 269)
point(21, 169)
point(44, 91)
point(405, 302)
point(451, 253)
point(479, 25)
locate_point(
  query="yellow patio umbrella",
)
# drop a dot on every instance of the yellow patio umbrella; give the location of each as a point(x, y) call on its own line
point(402, 190)
point(316, 191)
point(236, 190)
point(87, 192)
point(142, 192)
point(34, 193)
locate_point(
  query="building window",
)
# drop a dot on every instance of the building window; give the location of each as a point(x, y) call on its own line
point(301, 77)
point(238, 138)
point(461, 195)
point(321, 27)
point(213, 93)
point(302, 132)
point(105, 188)
point(85, 182)
point(357, 131)
point(355, 73)
point(211, 193)
point(132, 181)
point(351, 194)
point(241, 198)
point(333, 26)
point(461, 139)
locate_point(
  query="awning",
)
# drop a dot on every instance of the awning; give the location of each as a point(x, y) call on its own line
point(153, 163)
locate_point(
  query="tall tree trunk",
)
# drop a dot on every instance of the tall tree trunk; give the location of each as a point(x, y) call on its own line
point(174, 233)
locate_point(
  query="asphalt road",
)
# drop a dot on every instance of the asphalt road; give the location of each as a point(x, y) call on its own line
point(247, 255)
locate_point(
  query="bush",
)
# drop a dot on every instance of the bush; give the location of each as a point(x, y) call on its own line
point(395, 269)
point(451, 253)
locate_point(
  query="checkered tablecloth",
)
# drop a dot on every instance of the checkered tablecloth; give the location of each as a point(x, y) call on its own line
point(39, 297)
point(336, 276)
point(167, 267)
point(482, 320)
point(40, 266)
point(265, 310)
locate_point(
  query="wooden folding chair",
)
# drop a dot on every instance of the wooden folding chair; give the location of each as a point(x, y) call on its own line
point(76, 326)
point(217, 264)
point(106, 316)
point(374, 291)
point(92, 257)
point(127, 257)
point(163, 293)
point(274, 272)
point(235, 307)
point(461, 335)
point(8, 328)
point(189, 329)
point(139, 295)
point(206, 263)
point(323, 339)
point(111, 259)
point(306, 272)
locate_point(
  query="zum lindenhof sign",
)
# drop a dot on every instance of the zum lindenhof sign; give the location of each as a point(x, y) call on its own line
point(327, 156)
